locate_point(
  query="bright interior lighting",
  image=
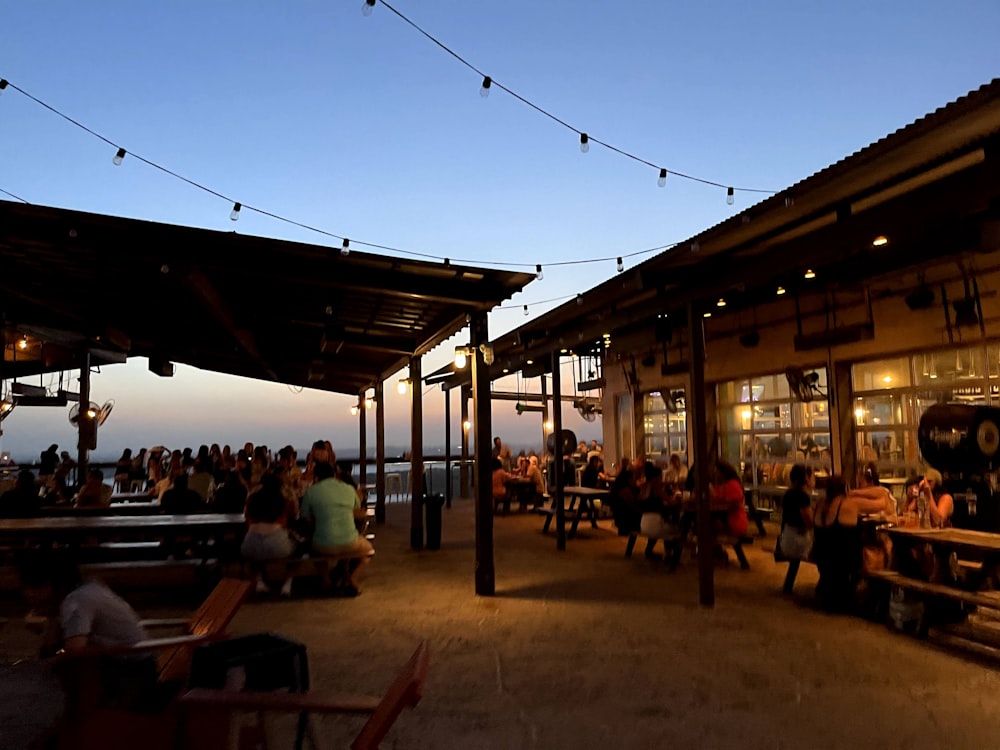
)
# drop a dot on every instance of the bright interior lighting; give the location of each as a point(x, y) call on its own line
point(880, 240)
point(887, 379)
point(747, 414)
point(810, 274)
point(859, 413)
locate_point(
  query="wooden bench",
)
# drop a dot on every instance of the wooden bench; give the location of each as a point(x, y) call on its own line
point(726, 540)
point(989, 599)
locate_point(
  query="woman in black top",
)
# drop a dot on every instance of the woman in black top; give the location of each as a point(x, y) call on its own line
point(796, 521)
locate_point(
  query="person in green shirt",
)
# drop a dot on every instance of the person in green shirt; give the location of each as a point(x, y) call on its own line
point(331, 506)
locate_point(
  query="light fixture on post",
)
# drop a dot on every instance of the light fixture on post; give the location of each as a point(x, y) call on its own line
point(369, 402)
point(466, 425)
point(461, 356)
point(403, 386)
point(354, 410)
point(23, 343)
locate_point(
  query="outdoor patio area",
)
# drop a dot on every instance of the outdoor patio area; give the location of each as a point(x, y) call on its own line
point(587, 649)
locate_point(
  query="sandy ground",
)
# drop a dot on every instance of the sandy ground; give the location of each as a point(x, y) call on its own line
point(586, 649)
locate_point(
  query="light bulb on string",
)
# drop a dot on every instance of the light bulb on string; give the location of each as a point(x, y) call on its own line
point(119, 156)
point(621, 264)
point(345, 249)
point(234, 215)
point(367, 7)
point(730, 196)
point(662, 181)
point(538, 272)
point(485, 90)
point(525, 309)
point(584, 143)
point(3, 84)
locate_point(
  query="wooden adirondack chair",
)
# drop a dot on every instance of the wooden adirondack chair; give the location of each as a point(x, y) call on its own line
point(205, 715)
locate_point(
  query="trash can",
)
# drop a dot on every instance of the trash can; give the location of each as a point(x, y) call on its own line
point(432, 509)
point(261, 662)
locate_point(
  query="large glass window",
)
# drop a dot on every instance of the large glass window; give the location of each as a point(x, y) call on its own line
point(763, 430)
point(665, 425)
point(892, 394)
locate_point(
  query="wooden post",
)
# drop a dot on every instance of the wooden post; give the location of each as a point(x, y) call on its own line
point(557, 455)
point(545, 408)
point(447, 445)
point(416, 457)
point(699, 441)
point(463, 470)
point(363, 436)
point(82, 453)
point(483, 426)
point(379, 453)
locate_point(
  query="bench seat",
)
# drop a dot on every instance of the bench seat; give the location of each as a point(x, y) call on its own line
point(989, 599)
point(726, 540)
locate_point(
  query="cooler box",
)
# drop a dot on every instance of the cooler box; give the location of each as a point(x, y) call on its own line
point(259, 662)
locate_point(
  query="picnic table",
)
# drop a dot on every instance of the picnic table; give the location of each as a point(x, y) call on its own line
point(579, 503)
point(519, 489)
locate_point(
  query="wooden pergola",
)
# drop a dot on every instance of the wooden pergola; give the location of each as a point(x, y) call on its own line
point(82, 289)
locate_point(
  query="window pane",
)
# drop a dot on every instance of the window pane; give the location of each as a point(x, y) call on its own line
point(880, 375)
point(950, 366)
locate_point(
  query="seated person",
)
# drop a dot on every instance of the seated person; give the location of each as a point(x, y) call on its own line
point(181, 500)
point(88, 614)
point(58, 492)
point(660, 514)
point(94, 493)
point(676, 473)
point(534, 473)
point(21, 501)
point(869, 488)
point(624, 497)
point(267, 530)
point(331, 506)
point(499, 479)
point(231, 495)
point(201, 479)
point(591, 475)
point(940, 504)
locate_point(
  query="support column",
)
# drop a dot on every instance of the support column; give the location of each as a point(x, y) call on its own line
point(82, 452)
point(557, 455)
point(363, 435)
point(447, 445)
point(700, 442)
point(483, 426)
point(416, 456)
point(379, 453)
point(843, 438)
point(463, 471)
point(545, 408)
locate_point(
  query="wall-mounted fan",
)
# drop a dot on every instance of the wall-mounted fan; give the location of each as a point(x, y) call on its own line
point(589, 407)
point(803, 385)
point(568, 442)
point(93, 410)
point(674, 401)
point(105, 411)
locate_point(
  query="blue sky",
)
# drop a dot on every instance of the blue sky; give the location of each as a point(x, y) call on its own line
point(363, 127)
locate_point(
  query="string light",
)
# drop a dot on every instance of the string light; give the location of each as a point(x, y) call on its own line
point(525, 309)
point(662, 181)
point(270, 214)
point(485, 90)
point(621, 265)
point(538, 272)
point(3, 84)
point(119, 156)
point(367, 7)
point(345, 249)
point(730, 196)
point(584, 140)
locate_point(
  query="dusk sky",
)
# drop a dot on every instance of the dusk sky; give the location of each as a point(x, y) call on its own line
point(365, 128)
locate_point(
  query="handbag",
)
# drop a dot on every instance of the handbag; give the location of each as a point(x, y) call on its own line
point(651, 525)
point(795, 544)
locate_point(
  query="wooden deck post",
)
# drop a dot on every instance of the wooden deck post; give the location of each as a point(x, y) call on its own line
point(483, 426)
point(699, 433)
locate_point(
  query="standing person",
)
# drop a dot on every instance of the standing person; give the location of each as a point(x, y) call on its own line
point(47, 462)
point(122, 470)
point(330, 507)
point(497, 447)
point(728, 492)
point(796, 521)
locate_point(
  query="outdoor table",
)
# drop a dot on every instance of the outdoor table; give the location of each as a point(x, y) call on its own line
point(580, 503)
point(73, 530)
point(520, 489)
point(950, 548)
point(148, 508)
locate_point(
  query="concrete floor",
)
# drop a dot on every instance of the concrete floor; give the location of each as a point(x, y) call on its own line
point(586, 649)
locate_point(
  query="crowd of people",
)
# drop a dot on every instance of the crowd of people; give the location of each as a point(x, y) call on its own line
point(289, 510)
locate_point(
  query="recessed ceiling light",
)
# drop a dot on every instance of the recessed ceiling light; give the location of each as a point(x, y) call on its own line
point(880, 240)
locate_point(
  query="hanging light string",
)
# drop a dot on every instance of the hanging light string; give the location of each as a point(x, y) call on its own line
point(15, 197)
point(238, 206)
point(585, 138)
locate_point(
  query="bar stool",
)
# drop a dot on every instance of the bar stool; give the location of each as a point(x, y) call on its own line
point(393, 485)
